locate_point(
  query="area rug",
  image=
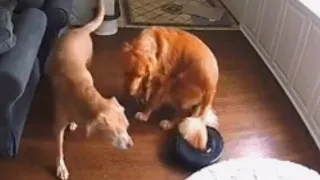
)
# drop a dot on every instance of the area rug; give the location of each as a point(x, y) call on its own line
point(255, 169)
point(144, 13)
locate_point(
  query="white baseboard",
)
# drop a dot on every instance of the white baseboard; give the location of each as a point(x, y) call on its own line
point(308, 121)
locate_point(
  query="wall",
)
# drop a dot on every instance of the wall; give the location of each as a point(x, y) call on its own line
point(286, 34)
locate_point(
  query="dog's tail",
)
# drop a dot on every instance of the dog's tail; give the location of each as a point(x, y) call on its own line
point(97, 21)
point(209, 119)
point(194, 131)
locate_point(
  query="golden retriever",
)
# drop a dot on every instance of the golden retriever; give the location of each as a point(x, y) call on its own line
point(76, 99)
point(171, 66)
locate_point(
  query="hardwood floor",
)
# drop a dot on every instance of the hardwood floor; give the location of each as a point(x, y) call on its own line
point(257, 119)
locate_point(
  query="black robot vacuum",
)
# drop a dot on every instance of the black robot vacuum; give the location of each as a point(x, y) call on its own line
point(194, 159)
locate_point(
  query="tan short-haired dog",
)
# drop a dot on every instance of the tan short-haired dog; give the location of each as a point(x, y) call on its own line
point(171, 66)
point(76, 99)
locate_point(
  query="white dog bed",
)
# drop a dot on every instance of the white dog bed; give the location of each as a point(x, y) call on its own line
point(255, 169)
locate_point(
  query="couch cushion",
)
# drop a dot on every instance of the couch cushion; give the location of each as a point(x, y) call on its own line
point(19, 71)
point(7, 37)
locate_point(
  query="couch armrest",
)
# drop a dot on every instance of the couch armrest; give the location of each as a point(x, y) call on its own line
point(16, 65)
point(26, 4)
point(58, 12)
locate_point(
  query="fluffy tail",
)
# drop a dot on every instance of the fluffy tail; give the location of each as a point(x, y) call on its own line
point(194, 131)
point(97, 21)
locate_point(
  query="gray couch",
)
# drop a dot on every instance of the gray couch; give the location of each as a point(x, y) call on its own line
point(23, 53)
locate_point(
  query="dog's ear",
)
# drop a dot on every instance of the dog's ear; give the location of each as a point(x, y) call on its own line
point(91, 127)
point(99, 122)
point(151, 62)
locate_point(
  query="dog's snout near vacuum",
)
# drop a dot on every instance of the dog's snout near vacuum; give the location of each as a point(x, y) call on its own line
point(122, 141)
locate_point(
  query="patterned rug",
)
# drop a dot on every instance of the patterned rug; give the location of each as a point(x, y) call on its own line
point(255, 169)
point(144, 13)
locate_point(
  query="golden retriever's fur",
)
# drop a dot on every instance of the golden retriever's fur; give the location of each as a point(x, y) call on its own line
point(76, 99)
point(172, 66)
point(194, 129)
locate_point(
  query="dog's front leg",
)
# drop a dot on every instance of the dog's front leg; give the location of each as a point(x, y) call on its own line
point(62, 171)
point(154, 103)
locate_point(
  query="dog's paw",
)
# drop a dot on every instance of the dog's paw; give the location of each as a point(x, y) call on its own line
point(166, 125)
point(62, 172)
point(142, 101)
point(141, 116)
point(73, 126)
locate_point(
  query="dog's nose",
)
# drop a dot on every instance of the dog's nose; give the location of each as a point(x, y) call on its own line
point(129, 145)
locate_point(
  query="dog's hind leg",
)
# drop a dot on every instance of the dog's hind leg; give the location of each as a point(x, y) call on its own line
point(205, 105)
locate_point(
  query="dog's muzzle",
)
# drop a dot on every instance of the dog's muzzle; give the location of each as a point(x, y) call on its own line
point(122, 141)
